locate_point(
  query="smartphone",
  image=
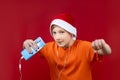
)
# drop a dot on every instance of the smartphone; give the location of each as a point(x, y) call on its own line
point(26, 55)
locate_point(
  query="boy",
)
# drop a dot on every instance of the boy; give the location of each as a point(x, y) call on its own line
point(68, 58)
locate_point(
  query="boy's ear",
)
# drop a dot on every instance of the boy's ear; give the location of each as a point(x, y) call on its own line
point(74, 37)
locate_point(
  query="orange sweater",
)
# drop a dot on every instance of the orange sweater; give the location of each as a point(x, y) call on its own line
point(72, 63)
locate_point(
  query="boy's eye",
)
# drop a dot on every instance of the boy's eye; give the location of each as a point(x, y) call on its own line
point(61, 31)
point(53, 32)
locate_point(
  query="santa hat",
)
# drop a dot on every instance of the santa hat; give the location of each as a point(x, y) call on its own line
point(66, 22)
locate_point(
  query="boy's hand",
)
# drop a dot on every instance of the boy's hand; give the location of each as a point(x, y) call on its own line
point(101, 47)
point(30, 43)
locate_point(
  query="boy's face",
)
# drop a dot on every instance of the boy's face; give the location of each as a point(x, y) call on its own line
point(61, 36)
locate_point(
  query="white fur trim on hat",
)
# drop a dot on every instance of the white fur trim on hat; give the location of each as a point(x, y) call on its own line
point(65, 25)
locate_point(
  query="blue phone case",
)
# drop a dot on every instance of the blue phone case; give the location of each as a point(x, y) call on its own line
point(26, 55)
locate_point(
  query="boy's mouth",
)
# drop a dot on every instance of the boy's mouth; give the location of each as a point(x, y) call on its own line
point(59, 42)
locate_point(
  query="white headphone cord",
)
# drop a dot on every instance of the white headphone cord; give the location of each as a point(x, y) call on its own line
point(64, 65)
point(20, 67)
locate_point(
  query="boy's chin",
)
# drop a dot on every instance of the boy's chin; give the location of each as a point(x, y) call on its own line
point(60, 45)
point(63, 46)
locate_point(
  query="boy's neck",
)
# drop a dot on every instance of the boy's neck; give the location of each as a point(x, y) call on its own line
point(69, 45)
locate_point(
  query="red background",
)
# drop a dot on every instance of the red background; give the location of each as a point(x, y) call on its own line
point(22, 19)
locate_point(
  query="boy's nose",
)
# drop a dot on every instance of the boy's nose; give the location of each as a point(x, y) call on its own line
point(57, 37)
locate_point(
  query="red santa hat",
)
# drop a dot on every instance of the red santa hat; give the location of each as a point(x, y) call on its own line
point(66, 22)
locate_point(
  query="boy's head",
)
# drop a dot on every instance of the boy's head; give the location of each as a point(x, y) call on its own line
point(66, 22)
